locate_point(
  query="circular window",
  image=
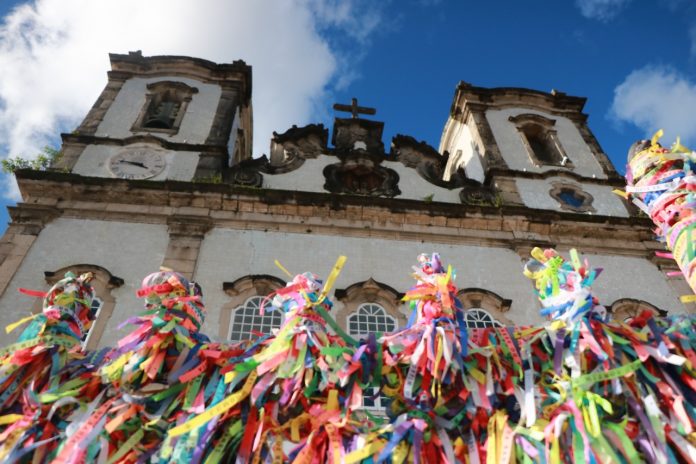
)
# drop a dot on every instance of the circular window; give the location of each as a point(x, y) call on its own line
point(572, 198)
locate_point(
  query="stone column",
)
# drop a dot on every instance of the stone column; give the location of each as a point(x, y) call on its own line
point(28, 221)
point(185, 237)
point(492, 158)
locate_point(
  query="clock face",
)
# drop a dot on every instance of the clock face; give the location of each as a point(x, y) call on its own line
point(136, 164)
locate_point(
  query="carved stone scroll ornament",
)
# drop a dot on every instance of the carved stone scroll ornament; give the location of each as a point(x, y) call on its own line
point(476, 194)
point(290, 149)
point(247, 173)
point(428, 163)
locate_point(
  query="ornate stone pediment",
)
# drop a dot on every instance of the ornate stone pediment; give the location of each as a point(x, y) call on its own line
point(358, 145)
point(360, 173)
point(357, 134)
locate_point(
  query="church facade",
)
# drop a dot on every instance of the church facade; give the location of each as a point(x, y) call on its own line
point(160, 173)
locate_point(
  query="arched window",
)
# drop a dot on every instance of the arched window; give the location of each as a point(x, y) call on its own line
point(370, 318)
point(247, 320)
point(240, 316)
point(542, 145)
point(477, 318)
point(369, 306)
point(625, 309)
point(165, 106)
point(540, 139)
point(483, 308)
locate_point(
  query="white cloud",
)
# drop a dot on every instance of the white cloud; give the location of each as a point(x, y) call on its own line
point(357, 18)
point(602, 10)
point(658, 97)
point(54, 55)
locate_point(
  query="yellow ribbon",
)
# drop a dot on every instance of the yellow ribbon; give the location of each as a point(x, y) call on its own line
point(220, 408)
point(365, 452)
point(280, 266)
point(112, 370)
point(10, 418)
point(589, 411)
point(13, 326)
point(340, 262)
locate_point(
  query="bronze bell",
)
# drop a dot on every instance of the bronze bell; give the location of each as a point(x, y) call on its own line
point(163, 116)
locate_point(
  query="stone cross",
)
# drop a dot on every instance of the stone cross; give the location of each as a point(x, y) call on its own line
point(354, 109)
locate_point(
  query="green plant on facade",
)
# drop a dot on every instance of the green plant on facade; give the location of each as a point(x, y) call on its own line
point(212, 179)
point(44, 161)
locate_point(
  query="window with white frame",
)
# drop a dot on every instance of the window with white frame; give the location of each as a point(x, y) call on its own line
point(477, 318)
point(371, 318)
point(247, 319)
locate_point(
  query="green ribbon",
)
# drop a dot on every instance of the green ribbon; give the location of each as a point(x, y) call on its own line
point(219, 451)
point(127, 446)
point(173, 390)
point(586, 380)
point(332, 323)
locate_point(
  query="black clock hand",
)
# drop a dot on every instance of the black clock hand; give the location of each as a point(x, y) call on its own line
point(134, 163)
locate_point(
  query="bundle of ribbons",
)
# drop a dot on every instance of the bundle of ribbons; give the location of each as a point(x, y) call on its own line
point(46, 375)
point(580, 388)
point(661, 182)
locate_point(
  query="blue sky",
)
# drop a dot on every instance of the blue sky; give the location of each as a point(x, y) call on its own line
point(633, 59)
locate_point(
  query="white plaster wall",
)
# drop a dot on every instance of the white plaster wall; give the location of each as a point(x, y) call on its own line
point(127, 250)
point(535, 194)
point(515, 154)
point(414, 187)
point(94, 161)
point(627, 277)
point(195, 126)
point(310, 178)
point(227, 255)
point(458, 137)
point(307, 178)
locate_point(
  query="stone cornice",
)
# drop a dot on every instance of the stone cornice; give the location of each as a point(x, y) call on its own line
point(38, 184)
point(146, 138)
point(615, 181)
point(134, 63)
point(35, 214)
point(204, 205)
point(468, 96)
point(195, 226)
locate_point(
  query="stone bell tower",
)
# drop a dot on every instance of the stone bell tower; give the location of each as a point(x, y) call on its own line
point(164, 118)
point(533, 147)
